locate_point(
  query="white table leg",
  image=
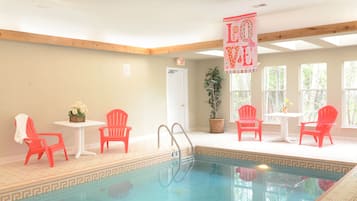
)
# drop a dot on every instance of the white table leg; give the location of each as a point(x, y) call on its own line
point(83, 151)
point(79, 142)
point(284, 128)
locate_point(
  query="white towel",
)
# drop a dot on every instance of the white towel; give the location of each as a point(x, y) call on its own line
point(21, 123)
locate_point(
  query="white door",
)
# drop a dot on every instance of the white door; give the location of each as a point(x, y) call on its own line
point(177, 110)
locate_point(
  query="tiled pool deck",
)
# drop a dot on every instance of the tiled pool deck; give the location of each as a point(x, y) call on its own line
point(19, 181)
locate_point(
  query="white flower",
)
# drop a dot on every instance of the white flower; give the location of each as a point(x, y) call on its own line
point(78, 109)
point(74, 111)
point(82, 109)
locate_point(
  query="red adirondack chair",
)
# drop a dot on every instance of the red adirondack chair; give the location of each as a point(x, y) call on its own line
point(247, 174)
point(38, 145)
point(326, 118)
point(248, 121)
point(116, 129)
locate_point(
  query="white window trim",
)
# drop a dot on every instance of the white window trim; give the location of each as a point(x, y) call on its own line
point(301, 91)
point(263, 117)
point(344, 108)
point(344, 123)
point(231, 119)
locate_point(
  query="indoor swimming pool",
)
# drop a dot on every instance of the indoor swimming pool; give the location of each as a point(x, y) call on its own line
point(203, 179)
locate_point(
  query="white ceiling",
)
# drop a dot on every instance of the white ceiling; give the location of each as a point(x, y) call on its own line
point(157, 23)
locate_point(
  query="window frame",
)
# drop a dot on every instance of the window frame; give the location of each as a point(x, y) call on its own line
point(301, 90)
point(344, 123)
point(231, 109)
point(266, 119)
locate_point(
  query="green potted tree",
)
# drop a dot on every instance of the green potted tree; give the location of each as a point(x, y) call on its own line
point(213, 86)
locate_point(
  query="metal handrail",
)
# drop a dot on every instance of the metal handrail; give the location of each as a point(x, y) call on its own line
point(183, 131)
point(172, 140)
point(185, 172)
point(175, 174)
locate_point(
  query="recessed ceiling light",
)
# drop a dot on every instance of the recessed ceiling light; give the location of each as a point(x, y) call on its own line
point(265, 50)
point(342, 40)
point(297, 45)
point(218, 53)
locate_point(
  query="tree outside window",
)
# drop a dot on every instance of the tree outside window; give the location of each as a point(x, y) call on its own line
point(350, 94)
point(274, 91)
point(240, 90)
point(313, 89)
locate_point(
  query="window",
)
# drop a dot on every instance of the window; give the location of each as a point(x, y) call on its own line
point(240, 92)
point(350, 94)
point(313, 89)
point(274, 91)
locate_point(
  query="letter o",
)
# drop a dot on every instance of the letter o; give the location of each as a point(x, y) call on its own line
point(246, 30)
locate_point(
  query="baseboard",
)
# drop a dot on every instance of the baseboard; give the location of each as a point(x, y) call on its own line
point(11, 159)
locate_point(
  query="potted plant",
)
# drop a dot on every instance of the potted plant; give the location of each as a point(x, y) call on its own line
point(77, 112)
point(213, 86)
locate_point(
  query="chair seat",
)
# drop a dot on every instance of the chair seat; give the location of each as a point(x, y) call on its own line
point(56, 147)
point(312, 132)
point(114, 138)
point(250, 128)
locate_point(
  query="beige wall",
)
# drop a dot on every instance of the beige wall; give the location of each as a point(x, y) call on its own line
point(334, 59)
point(44, 80)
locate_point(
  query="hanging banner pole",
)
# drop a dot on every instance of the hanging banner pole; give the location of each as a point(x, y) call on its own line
point(240, 44)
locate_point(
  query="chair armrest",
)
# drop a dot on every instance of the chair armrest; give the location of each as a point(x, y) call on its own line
point(249, 121)
point(28, 141)
point(245, 121)
point(108, 127)
point(103, 128)
point(58, 135)
point(51, 134)
point(327, 123)
point(260, 122)
point(310, 122)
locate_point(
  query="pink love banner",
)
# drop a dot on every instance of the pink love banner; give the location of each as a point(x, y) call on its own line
point(240, 44)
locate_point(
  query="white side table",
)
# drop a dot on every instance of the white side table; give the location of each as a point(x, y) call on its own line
point(284, 123)
point(79, 134)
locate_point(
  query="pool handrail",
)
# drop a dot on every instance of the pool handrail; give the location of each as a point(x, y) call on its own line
point(174, 174)
point(183, 131)
point(172, 140)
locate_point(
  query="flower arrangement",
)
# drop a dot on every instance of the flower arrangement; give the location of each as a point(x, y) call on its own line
point(286, 104)
point(77, 112)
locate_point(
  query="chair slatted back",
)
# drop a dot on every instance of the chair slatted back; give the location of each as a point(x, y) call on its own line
point(326, 114)
point(32, 134)
point(247, 112)
point(30, 129)
point(118, 118)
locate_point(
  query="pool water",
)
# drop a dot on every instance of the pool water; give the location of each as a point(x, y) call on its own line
point(203, 179)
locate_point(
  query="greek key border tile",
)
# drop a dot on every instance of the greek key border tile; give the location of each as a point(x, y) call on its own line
point(281, 160)
point(34, 189)
point(94, 174)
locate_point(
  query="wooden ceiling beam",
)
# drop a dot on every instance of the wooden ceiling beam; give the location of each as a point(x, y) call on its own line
point(69, 42)
point(187, 47)
point(309, 31)
point(265, 37)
